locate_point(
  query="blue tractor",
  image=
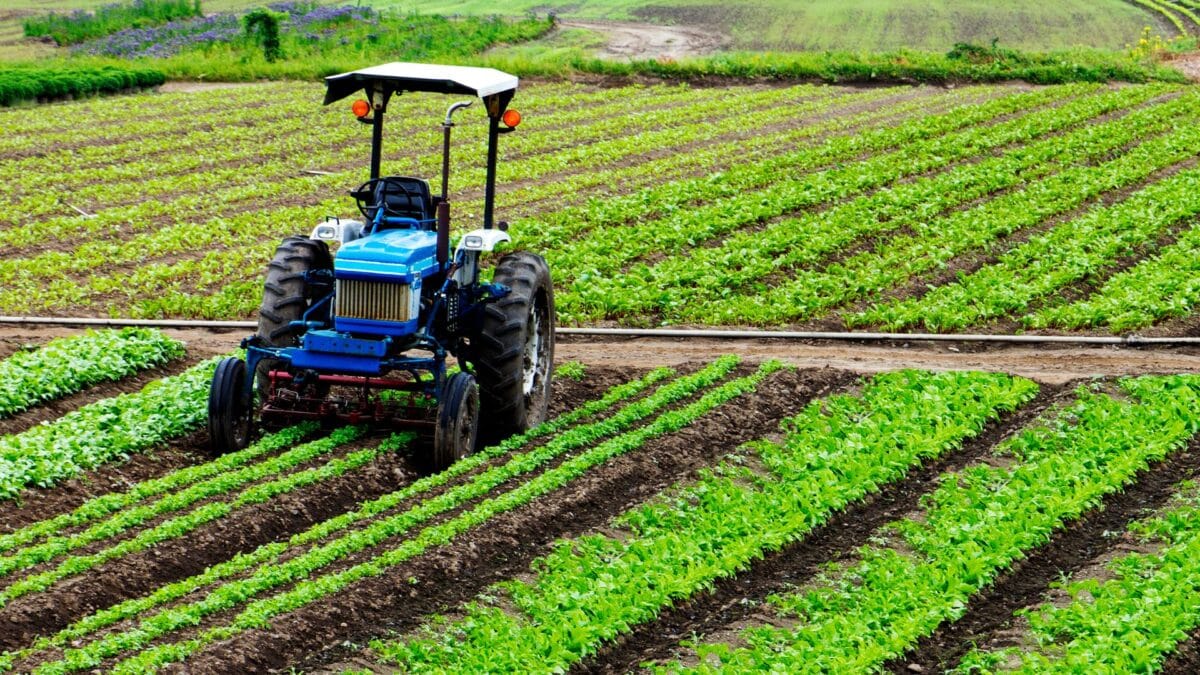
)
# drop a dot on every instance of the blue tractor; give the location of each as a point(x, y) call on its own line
point(362, 335)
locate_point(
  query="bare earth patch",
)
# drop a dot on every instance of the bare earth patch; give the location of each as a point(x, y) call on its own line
point(648, 41)
point(1188, 64)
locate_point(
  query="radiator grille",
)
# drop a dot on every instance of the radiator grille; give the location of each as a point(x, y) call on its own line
point(376, 300)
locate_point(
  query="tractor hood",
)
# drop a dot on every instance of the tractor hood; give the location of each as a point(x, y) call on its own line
point(401, 255)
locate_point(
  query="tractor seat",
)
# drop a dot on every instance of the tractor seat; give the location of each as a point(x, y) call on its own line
point(417, 204)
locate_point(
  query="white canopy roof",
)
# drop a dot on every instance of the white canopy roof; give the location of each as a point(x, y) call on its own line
point(401, 76)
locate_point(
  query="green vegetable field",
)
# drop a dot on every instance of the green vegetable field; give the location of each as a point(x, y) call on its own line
point(1055, 209)
point(978, 450)
point(718, 516)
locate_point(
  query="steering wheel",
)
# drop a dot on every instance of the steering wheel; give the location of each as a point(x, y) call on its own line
point(373, 194)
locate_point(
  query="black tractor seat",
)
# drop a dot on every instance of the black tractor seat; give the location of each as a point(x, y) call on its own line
point(417, 203)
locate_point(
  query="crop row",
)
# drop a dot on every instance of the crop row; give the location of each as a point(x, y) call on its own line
point(1128, 623)
point(974, 527)
point(691, 211)
point(258, 614)
point(217, 157)
point(1177, 13)
point(179, 485)
point(66, 365)
point(63, 291)
point(167, 240)
point(201, 286)
point(933, 244)
point(593, 588)
point(744, 259)
point(1046, 263)
point(277, 178)
point(1166, 285)
point(105, 430)
point(242, 486)
point(269, 566)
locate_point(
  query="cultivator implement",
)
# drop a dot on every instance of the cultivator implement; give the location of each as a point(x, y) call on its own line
point(378, 401)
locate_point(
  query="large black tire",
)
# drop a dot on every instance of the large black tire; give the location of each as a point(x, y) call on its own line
point(230, 409)
point(457, 422)
point(514, 351)
point(286, 294)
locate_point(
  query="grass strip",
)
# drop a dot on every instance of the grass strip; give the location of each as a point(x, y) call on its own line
point(593, 588)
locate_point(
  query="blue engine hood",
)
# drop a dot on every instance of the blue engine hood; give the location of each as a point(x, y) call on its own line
point(403, 255)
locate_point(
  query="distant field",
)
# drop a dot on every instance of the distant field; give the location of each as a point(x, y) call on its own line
point(12, 12)
point(863, 24)
point(781, 25)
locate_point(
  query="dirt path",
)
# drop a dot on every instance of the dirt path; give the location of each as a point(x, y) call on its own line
point(648, 41)
point(1188, 64)
point(1048, 364)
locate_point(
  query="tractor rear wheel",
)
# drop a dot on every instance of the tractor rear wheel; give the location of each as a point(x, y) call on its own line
point(288, 294)
point(287, 291)
point(230, 408)
point(457, 422)
point(514, 351)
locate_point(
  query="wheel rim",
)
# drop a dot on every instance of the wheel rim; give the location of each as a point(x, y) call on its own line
point(466, 426)
point(534, 361)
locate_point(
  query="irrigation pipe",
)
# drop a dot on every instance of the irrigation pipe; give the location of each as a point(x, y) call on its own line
point(1127, 340)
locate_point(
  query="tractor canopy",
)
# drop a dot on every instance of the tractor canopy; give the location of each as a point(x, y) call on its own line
point(495, 87)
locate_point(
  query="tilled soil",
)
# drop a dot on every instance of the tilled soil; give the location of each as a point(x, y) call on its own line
point(1069, 550)
point(397, 602)
point(402, 599)
point(733, 601)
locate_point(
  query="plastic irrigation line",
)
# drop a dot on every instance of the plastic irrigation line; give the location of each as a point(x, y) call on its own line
point(1129, 340)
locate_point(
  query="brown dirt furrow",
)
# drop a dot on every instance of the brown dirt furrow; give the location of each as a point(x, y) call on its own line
point(52, 410)
point(735, 601)
point(402, 599)
point(248, 528)
point(1071, 549)
point(11, 344)
point(370, 553)
point(241, 531)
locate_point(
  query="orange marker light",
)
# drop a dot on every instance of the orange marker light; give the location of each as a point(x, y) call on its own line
point(360, 108)
point(511, 118)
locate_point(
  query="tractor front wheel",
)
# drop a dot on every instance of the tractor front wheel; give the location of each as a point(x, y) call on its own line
point(514, 351)
point(230, 408)
point(457, 421)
